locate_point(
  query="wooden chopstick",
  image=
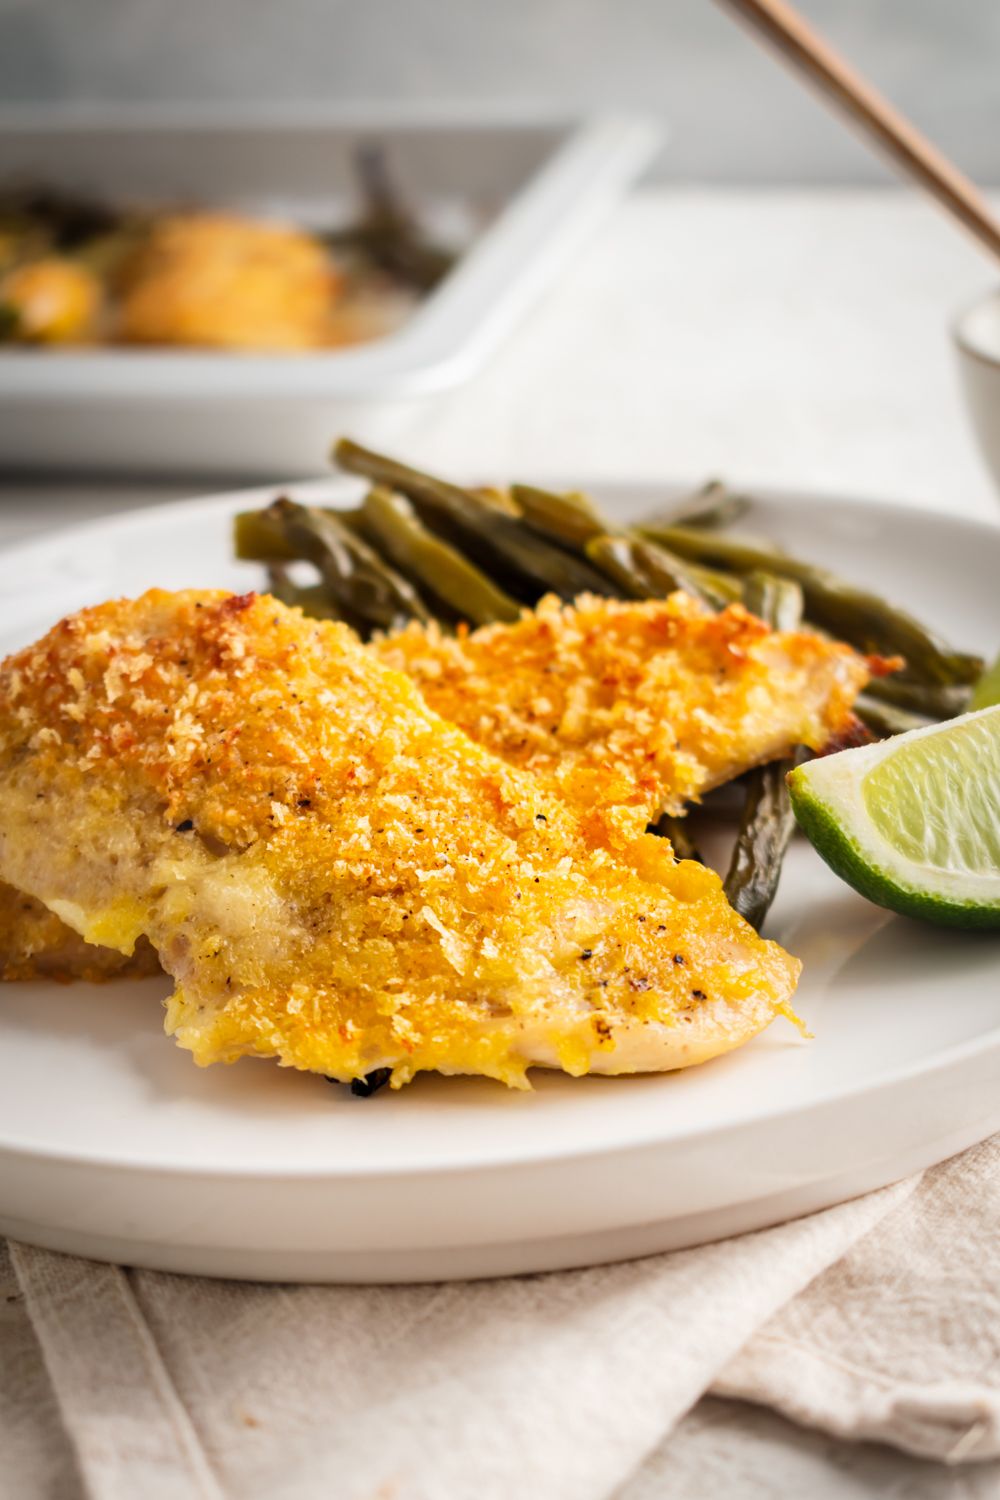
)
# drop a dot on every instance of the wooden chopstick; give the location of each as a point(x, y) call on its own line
point(883, 125)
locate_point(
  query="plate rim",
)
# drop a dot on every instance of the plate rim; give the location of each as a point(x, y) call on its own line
point(323, 484)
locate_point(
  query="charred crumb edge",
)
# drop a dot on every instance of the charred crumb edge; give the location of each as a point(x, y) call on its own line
point(363, 1088)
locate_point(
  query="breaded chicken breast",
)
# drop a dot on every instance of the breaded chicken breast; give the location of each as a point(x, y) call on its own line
point(635, 707)
point(35, 944)
point(335, 876)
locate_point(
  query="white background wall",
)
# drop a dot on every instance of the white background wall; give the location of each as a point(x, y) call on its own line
point(735, 115)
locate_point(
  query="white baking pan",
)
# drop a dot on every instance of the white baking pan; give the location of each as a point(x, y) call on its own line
point(521, 196)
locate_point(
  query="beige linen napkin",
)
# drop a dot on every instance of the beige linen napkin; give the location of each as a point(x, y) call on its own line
point(875, 1319)
point(899, 1341)
point(728, 1450)
point(36, 1459)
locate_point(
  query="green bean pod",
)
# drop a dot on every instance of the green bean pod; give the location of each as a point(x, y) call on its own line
point(501, 543)
point(572, 519)
point(930, 701)
point(438, 569)
point(358, 582)
point(676, 830)
point(885, 719)
point(643, 570)
point(313, 599)
point(765, 831)
point(712, 506)
point(767, 821)
point(778, 601)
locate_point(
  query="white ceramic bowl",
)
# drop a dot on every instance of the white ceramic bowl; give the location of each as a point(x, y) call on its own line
point(976, 333)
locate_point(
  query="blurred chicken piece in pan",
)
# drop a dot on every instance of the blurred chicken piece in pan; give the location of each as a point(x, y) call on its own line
point(221, 281)
point(50, 300)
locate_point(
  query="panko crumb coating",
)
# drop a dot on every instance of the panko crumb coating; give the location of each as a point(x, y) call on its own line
point(638, 707)
point(337, 878)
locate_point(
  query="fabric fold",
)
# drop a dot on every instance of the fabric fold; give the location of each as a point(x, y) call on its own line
point(36, 1457)
point(899, 1342)
point(131, 1432)
point(557, 1386)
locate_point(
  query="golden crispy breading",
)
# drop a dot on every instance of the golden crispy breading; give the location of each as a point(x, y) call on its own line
point(638, 706)
point(335, 876)
point(634, 706)
point(230, 283)
point(35, 944)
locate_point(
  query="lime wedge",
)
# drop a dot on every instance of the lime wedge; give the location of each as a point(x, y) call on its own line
point(913, 823)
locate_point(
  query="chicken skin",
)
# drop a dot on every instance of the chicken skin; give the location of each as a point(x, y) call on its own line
point(337, 878)
point(639, 708)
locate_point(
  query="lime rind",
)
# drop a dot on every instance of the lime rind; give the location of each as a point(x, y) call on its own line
point(831, 806)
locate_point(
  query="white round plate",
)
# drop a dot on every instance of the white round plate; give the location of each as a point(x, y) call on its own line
point(114, 1145)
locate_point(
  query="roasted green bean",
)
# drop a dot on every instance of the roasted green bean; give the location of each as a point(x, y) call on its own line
point(638, 567)
point(928, 700)
point(711, 506)
point(767, 821)
point(679, 834)
point(765, 831)
point(262, 536)
point(571, 519)
point(387, 233)
point(438, 569)
point(778, 601)
point(885, 719)
point(312, 598)
point(642, 570)
point(370, 593)
point(499, 542)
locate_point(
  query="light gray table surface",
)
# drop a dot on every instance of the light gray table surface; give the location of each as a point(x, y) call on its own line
point(780, 337)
